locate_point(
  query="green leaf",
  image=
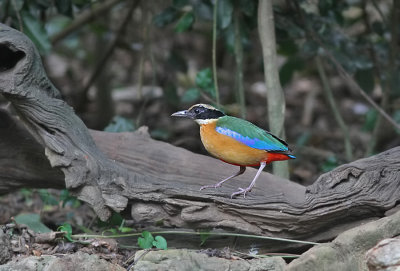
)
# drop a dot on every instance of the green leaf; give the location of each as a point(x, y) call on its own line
point(36, 32)
point(191, 95)
point(120, 124)
point(67, 228)
point(146, 241)
point(224, 13)
point(160, 242)
point(115, 220)
point(204, 237)
point(167, 16)
point(185, 22)
point(204, 79)
point(32, 221)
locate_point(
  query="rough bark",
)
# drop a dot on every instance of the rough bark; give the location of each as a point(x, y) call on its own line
point(161, 182)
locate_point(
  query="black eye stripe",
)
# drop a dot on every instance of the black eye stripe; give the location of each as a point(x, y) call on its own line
point(200, 112)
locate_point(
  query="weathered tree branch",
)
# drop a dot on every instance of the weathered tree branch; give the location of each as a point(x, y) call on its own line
point(161, 182)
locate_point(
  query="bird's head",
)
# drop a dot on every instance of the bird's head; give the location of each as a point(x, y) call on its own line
point(201, 113)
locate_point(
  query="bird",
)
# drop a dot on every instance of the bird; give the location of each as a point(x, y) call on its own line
point(236, 141)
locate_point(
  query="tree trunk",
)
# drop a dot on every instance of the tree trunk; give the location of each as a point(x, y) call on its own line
point(47, 145)
point(275, 96)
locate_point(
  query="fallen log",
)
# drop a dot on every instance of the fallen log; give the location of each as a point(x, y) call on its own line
point(47, 145)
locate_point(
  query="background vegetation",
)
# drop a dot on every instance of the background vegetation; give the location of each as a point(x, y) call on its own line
point(123, 64)
point(132, 63)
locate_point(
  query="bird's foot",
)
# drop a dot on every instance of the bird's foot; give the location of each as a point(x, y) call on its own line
point(241, 191)
point(210, 186)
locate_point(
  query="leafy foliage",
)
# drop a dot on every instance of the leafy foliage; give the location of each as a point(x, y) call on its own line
point(148, 241)
point(24, 16)
point(160, 242)
point(204, 83)
point(204, 235)
point(67, 228)
point(185, 23)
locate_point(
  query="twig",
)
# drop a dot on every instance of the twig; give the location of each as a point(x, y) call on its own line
point(101, 64)
point(214, 52)
point(239, 64)
point(83, 19)
point(331, 100)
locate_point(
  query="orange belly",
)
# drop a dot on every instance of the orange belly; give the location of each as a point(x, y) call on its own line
point(230, 150)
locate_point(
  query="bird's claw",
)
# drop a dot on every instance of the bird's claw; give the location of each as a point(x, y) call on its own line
point(241, 191)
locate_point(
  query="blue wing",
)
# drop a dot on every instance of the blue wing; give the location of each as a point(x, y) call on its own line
point(250, 135)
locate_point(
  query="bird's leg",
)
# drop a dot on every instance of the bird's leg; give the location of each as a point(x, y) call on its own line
point(240, 172)
point(248, 189)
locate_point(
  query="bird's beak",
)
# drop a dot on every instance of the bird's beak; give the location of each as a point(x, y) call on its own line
point(182, 114)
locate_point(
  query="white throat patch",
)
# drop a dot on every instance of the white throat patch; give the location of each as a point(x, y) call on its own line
point(206, 121)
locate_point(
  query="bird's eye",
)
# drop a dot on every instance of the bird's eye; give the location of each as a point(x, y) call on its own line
point(196, 111)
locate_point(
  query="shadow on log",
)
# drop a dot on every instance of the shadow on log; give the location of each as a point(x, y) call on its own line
point(47, 145)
